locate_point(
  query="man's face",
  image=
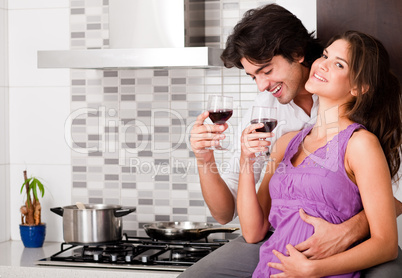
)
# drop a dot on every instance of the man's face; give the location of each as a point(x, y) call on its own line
point(279, 77)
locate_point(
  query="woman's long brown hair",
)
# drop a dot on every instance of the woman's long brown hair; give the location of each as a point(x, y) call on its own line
point(378, 105)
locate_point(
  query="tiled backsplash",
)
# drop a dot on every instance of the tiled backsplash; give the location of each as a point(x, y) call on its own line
point(130, 128)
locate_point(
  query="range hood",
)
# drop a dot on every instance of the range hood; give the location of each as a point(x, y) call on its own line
point(144, 34)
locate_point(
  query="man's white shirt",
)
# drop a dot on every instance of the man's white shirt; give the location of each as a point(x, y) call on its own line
point(290, 118)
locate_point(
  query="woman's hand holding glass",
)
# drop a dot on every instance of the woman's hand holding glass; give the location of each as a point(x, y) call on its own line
point(253, 141)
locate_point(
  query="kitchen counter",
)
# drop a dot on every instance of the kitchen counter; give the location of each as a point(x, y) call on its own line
point(18, 261)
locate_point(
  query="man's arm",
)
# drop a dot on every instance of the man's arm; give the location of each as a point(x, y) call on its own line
point(219, 191)
point(329, 239)
point(216, 193)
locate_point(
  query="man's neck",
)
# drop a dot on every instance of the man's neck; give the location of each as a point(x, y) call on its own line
point(305, 101)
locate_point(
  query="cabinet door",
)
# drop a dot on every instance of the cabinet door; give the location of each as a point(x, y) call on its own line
point(380, 18)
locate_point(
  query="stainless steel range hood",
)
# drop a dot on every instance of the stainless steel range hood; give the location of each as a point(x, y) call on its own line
point(143, 34)
point(135, 58)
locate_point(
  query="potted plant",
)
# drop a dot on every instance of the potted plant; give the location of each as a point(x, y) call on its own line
point(32, 229)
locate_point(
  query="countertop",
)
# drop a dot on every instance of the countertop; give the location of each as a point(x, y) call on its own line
point(18, 261)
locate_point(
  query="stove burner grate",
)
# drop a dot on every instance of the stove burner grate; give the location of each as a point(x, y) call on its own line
point(131, 251)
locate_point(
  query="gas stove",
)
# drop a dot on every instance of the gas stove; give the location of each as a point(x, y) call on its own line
point(134, 253)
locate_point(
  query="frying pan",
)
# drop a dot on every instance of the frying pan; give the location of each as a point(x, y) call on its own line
point(183, 230)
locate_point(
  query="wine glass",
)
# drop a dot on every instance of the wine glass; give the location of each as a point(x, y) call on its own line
point(267, 116)
point(220, 109)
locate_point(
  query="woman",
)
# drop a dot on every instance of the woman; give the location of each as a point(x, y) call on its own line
point(331, 170)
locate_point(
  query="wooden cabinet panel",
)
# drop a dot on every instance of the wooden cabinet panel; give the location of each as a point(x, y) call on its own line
point(380, 18)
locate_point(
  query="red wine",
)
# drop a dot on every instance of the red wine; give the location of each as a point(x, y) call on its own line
point(269, 124)
point(219, 117)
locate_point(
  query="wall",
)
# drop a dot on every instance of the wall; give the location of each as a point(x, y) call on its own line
point(36, 104)
point(130, 128)
point(151, 168)
point(39, 103)
point(304, 10)
point(4, 155)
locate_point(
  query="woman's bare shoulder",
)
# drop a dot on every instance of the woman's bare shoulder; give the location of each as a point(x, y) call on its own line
point(363, 139)
point(363, 146)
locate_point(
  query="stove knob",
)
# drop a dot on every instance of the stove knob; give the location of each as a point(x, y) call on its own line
point(129, 258)
point(113, 257)
point(97, 257)
point(144, 259)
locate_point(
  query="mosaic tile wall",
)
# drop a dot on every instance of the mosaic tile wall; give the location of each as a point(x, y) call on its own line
point(130, 128)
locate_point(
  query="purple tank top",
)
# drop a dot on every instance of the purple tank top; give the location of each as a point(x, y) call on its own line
point(319, 185)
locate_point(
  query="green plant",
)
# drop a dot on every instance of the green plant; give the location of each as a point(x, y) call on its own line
point(31, 211)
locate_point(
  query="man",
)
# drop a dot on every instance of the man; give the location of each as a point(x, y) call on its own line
point(278, 53)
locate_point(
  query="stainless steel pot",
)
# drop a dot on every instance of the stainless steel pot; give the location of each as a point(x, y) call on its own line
point(97, 223)
point(183, 230)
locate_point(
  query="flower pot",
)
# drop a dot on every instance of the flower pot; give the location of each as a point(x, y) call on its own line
point(33, 235)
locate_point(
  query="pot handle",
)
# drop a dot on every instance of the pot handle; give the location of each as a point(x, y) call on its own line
point(124, 211)
point(218, 230)
point(58, 210)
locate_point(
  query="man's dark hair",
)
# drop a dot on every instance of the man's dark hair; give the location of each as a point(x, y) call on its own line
point(269, 31)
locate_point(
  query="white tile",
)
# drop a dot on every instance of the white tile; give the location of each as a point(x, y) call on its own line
point(33, 30)
point(37, 4)
point(57, 182)
point(4, 126)
point(3, 48)
point(37, 125)
point(3, 4)
point(4, 203)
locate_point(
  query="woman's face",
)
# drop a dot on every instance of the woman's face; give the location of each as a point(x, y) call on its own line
point(329, 75)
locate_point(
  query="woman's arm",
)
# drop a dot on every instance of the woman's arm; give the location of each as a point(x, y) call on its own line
point(366, 164)
point(253, 208)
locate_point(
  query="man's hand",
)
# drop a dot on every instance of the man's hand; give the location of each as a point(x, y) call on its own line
point(204, 136)
point(328, 239)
